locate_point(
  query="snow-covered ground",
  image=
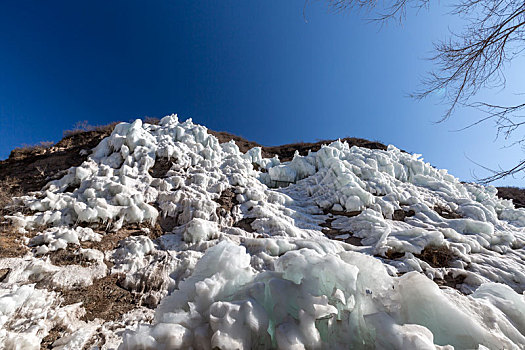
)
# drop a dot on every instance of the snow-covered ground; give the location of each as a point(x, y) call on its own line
point(342, 248)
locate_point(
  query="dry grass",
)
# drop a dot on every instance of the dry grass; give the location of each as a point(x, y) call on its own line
point(450, 281)
point(9, 188)
point(69, 256)
point(104, 299)
point(243, 144)
point(392, 254)
point(516, 194)
point(400, 214)
point(446, 213)
point(111, 240)
point(54, 335)
point(436, 257)
point(24, 150)
point(245, 224)
point(9, 238)
point(332, 233)
point(152, 120)
point(84, 127)
point(33, 168)
point(161, 167)
point(286, 152)
point(226, 201)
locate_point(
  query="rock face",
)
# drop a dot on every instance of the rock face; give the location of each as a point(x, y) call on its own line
point(165, 237)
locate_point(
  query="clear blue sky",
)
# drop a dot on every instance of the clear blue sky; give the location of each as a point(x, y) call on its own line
point(251, 67)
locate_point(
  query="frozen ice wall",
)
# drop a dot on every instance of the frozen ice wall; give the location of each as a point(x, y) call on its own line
point(341, 248)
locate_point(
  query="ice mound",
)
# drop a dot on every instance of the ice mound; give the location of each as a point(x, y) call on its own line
point(27, 313)
point(345, 247)
point(314, 300)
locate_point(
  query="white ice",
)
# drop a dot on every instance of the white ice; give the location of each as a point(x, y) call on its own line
point(277, 281)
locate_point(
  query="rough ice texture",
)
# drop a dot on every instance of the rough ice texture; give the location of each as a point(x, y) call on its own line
point(342, 248)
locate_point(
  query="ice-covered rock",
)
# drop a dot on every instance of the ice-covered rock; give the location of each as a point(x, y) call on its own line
point(342, 248)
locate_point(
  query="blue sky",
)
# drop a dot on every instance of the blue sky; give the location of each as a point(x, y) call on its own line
point(254, 68)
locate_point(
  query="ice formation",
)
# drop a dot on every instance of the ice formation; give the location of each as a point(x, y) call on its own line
point(342, 248)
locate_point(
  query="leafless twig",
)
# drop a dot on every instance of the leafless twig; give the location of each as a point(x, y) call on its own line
point(470, 60)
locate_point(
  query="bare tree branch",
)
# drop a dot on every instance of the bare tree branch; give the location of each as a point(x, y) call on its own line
point(470, 60)
point(500, 174)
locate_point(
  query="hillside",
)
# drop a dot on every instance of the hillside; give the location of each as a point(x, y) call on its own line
point(168, 236)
